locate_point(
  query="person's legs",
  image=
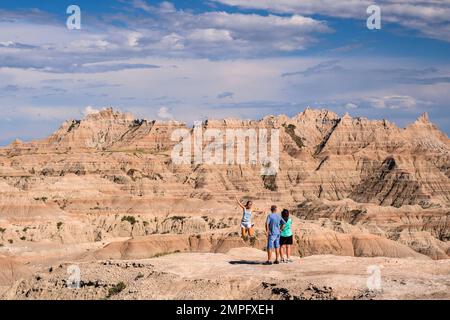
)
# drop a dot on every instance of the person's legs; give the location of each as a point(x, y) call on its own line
point(282, 248)
point(277, 249)
point(251, 231)
point(243, 232)
point(288, 251)
point(270, 247)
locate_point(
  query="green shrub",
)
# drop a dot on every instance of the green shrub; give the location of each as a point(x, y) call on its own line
point(178, 218)
point(270, 182)
point(290, 130)
point(132, 220)
point(116, 289)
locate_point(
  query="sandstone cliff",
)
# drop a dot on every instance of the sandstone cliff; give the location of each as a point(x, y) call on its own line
point(111, 176)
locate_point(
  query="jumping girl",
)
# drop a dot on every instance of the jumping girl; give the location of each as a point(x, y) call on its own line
point(246, 222)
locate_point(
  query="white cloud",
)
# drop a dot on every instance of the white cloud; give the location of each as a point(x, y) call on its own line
point(133, 39)
point(393, 102)
point(429, 18)
point(164, 113)
point(350, 105)
point(210, 35)
point(90, 110)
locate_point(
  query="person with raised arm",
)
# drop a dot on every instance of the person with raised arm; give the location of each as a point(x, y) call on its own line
point(246, 222)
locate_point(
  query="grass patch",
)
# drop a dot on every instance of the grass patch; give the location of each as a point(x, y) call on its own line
point(270, 182)
point(132, 220)
point(43, 199)
point(178, 218)
point(116, 289)
point(290, 130)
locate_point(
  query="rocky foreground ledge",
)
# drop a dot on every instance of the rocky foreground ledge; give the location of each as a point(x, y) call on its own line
point(239, 274)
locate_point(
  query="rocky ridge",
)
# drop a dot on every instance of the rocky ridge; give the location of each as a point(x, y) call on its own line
point(106, 187)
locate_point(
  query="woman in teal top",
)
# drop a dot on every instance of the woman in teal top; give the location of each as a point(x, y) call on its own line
point(286, 237)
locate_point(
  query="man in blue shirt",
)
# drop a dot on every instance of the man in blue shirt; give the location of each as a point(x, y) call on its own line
point(274, 225)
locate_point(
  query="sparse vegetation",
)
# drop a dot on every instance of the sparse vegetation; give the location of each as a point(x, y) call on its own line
point(116, 289)
point(290, 130)
point(139, 276)
point(132, 220)
point(2, 230)
point(23, 238)
point(178, 218)
point(162, 254)
point(10, 241)
point(145, 223)
point(270, 182)
point(59, 225)
point(43, 199)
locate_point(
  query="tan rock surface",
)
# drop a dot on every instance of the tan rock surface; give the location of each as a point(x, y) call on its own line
point(239, 274)
point(105, 187)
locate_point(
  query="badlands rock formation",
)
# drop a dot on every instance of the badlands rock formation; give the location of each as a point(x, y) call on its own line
point(106, 189)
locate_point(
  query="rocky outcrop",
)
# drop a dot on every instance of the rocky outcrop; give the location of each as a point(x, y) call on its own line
point(112, 176)
point(239, 274)
point(11, 271)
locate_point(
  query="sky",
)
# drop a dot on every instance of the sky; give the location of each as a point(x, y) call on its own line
point(199, 59)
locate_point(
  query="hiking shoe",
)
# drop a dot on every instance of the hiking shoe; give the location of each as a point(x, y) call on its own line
point(289, 260)
point(268, 263)
point(277, 262)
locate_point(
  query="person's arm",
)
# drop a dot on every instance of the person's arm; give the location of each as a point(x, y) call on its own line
point(267, 226)
point(283, 224)
point(239, 203)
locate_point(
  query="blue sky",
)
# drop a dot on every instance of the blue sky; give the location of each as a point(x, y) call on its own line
point(191, 60)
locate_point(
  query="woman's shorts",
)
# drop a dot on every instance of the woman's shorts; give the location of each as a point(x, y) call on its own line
point(286, 240)
point(246, 224)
